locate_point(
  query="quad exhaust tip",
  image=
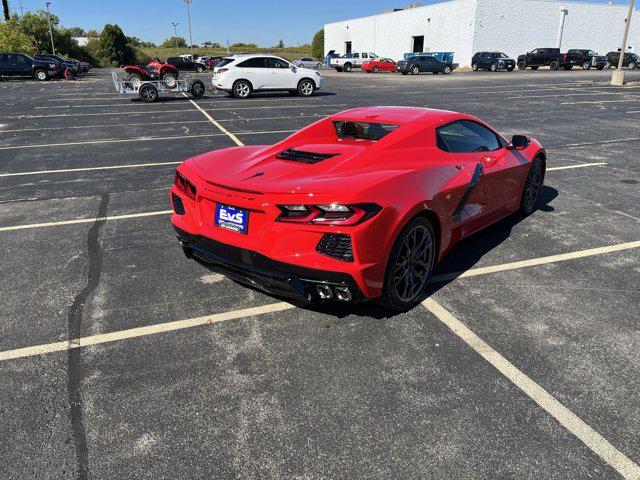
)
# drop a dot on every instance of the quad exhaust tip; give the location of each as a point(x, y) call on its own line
point(344, 294)
point(325, 292)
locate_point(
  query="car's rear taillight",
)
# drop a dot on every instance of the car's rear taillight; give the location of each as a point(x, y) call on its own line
point(222, 70)
point(185, 186)
point(330, 214)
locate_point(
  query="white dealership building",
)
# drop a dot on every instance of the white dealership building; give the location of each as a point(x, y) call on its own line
point(467, 26)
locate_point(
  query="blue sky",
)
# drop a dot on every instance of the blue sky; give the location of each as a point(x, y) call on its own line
point(253, 21)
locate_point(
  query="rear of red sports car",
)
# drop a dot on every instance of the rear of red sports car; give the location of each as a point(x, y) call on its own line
point(316, 215)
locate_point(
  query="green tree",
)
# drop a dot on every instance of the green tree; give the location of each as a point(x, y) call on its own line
point(171, 42)
point(317, 45)
point(13, 39)
point(113, 47)
point(76, 32)
point(35, 26)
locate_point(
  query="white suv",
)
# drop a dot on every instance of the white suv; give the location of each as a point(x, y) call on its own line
point(241, 75)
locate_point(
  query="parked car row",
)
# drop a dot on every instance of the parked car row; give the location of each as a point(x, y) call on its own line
point(40, 67)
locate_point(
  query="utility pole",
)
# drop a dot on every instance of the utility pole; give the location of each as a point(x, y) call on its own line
point(618, 75)
point(53, 48)
point(175, 35)
point(21, 10)
point(189, 19)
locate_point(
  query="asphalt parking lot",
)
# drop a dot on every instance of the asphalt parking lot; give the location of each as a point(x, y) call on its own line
point(119, 358)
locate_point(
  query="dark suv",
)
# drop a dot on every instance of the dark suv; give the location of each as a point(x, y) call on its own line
point(183, 63)
point(418, 64)
point(21, 65)
point(541, 57)
point(493, 61)
point(631, 60)
point(583, 58)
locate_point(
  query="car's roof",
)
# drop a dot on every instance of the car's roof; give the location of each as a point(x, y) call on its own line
point(398, 115)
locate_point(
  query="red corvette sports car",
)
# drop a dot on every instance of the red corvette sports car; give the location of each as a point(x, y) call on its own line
point(379, 65)
point(357, 206)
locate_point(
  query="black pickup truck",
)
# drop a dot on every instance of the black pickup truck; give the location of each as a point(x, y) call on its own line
point(21, 65)
point(583, 58)
point(541, 57)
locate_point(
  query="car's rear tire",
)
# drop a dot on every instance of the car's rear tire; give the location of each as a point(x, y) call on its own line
point(409, 266)
point(318, 66)
point(447, 70)
point(41, 75)
point(241, 89)
point(347, 67)
point(306, 88)
point(632, 66)
point(586, 65)
point(532, 187)
point(608, 65)
point(197, 89)
point(522, 65)
point(494, 67)
point(199, 69)
point(148, 93)
point(554, 65)
point(474, 67)
point(169, 80)
point(415, 70)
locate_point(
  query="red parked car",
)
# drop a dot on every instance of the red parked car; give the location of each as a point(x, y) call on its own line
point(357, 206)
point(379, 65)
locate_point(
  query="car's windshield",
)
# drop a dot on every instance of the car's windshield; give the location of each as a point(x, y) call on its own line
point(363, 130)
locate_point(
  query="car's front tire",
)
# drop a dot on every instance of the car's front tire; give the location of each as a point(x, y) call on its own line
point(586, 65)
point(306, 88)
point(415, 70)
point(632, 66)
point(376, 69)
point(447, 70)
point(522, 65)
point(410, 265)
point(494, 67)
point(532, 187)
point(474, 67)
point(199, 69)
point(241, 89)
point(41, 75)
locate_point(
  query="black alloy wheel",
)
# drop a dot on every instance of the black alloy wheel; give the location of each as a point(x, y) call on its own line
point(532, 187)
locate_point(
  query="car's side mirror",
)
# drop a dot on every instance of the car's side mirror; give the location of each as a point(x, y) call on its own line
point(519, 142)
point(293, 69)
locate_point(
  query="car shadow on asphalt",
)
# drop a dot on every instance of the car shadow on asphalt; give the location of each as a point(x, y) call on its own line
point(464, 256)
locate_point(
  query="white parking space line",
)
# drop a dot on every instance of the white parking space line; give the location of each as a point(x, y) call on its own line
point(622, 100)
point(158, 105)
point(569, 420)
point(580, 165)
point(559, 95)
point(216, 124)
point(88, 169)
point(146, 139)
point(142, 331)
point(192, 322)
point(30, 226)
point(536, 261)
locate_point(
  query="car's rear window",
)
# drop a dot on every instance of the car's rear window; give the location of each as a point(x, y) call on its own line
point(225, 61)
point(363, 130)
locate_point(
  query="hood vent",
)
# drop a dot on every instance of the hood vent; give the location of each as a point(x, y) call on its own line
point(305, 157)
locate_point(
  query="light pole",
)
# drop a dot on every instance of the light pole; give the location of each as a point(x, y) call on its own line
point(175, 35)
point(53, 48)
point(187, 2)
point(618, 75)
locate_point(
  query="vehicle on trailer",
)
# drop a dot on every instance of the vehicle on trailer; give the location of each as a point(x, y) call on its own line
point(631, 60)
point(379, 65)
point(424, 64)
point(360, 205)
point(242, 75)
point(150, 90)
point(22, 65)
point(183, 63)
point(492, 61)
point(165, 73)
point(583, 58)
point(348, 62)
point(307, 62)
point(211, 62)
point(540, 57)
point(84, 66)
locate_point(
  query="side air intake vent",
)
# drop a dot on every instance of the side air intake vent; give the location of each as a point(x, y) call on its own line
point(305, 157)
point(336, 246)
